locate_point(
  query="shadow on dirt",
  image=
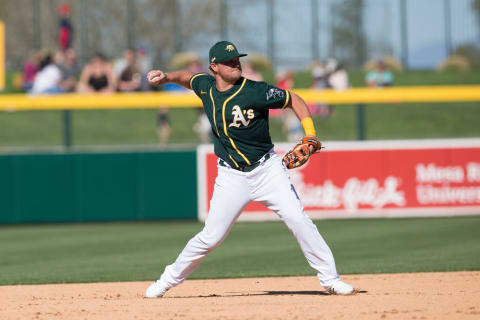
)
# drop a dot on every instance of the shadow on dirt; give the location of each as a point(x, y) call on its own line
point(263, 293)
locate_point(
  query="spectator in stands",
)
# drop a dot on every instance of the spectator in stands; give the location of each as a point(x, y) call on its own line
point(250, 73)
point(285, 79)
point(163, 127)
point(69, 69)
point(30, 69)
point(65, 29)
point(337, 76)
point(49, 77)
point(97, 76)
point(332, 76)
point(320, 82)
point(319, 77)
point(202, 125)
point(291, 126)
point(145, 64)
point(128, 72)
point(379, 77)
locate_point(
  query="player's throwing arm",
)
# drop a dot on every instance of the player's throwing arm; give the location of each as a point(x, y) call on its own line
point(309, 144)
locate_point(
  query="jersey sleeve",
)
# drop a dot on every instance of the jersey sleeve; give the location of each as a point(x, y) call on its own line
point(200, 83)
point(271, 97)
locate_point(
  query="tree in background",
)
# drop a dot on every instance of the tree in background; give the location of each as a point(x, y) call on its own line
point(106, 26)
point(348, 36)
point(476, 8)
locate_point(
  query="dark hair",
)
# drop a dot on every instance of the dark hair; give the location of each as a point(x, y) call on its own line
point(100, 56)
point(45, 61)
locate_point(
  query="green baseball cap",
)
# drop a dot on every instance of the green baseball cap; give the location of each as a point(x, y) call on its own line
point(223, 51)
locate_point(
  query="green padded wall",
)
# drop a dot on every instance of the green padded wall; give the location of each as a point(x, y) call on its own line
point(97, 187)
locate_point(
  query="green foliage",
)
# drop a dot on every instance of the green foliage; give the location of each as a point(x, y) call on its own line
point(260, 62)
point(470, 53)
point(140, 251)
point(454, 63)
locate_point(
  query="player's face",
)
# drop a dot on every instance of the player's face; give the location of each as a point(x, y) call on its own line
point(230, 70)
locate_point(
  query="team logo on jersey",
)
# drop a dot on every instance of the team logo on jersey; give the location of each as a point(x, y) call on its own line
point(239, 117)
point(275, 93)
point(230, 48)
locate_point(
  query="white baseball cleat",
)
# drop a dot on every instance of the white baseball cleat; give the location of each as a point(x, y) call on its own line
point(156, 290)
point(341, 288)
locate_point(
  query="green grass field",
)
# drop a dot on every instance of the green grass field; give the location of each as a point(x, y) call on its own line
point(137, 127)
point(139, 251)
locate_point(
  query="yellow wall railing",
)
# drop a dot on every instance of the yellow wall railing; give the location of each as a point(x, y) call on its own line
point(427, 94)
point(2, 55)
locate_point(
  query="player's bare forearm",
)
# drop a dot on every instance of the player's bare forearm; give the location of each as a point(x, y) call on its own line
point(303, 114)
point(158, 77)
point(299, 107)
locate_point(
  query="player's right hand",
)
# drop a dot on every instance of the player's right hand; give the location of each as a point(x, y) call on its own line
point(156, 77)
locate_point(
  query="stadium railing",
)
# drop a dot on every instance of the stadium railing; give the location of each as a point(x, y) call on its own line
point(142, 100)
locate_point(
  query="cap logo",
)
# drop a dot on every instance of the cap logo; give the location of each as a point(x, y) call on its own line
point(213, 59)
point(230, 48)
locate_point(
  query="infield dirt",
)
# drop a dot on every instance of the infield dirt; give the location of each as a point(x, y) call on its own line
point(452, 295)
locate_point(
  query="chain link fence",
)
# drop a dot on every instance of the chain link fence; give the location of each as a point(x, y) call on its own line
point(291, 33)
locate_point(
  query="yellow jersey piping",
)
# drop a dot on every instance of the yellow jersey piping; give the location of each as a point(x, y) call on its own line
point(194, 76)
point(225, 123)
point(286, 100)
point(236, 164)
point(214, 121)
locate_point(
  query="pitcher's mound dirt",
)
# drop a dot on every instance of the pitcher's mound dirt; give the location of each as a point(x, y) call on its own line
point(452, 295)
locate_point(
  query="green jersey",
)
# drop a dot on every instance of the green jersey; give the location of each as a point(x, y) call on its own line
point(239, 117)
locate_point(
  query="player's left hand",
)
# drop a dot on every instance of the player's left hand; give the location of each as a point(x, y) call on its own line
point(299, 155)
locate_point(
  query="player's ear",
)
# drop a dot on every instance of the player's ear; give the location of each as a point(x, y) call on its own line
point(213, 67)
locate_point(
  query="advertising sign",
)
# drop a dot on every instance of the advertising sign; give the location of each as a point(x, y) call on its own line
point(373, 179)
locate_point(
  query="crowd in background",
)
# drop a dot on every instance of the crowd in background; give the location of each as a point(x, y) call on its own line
point(46, 73)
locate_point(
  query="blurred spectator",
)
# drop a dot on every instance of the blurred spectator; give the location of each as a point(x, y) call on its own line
point(250, 73)
point(30, 69)
point(49, 77)
point(163, 123)
point(291, 126)
point(195, 66)
point(379, 77)
point(202, 126)
point(285, 79)
point(128, 72)
point(337, 76)
point(320, 82)
point(65, 29)
point(319, 77)
point(69, 69)
point(163, 127)
point(97, 76)
point(144, 61)
point(332, 76)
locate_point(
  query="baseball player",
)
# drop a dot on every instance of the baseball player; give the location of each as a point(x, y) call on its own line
point(248, 168)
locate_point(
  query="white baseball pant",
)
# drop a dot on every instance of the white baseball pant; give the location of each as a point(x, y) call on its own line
point(269, 184)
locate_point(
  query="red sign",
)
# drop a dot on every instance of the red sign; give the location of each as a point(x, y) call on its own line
point(374, 179)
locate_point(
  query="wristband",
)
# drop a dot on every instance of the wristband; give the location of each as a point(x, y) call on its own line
point(308, 127)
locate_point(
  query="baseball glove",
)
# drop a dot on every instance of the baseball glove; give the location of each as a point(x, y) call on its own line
point(299, 155)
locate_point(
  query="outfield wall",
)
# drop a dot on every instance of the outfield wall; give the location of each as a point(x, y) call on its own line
point(410, 178)
point(97, 187)
point(346, 180)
